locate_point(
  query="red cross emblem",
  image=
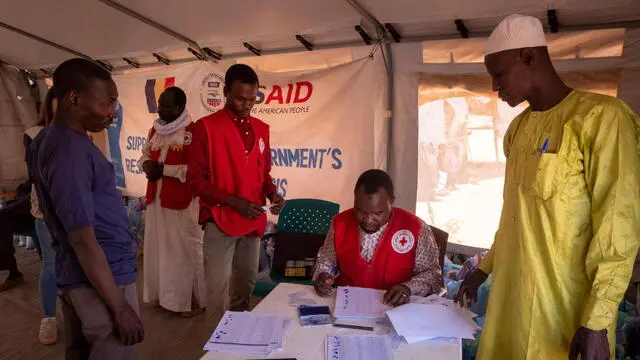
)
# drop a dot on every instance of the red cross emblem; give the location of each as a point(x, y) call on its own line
point(403, 241)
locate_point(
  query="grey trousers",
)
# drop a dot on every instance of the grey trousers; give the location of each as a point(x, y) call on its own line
point(88, 329)
point(231, 268)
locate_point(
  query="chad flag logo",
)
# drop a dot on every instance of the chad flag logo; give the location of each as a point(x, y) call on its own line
point(154, 88)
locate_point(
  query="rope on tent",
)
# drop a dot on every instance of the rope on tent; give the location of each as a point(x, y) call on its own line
point(377, 46)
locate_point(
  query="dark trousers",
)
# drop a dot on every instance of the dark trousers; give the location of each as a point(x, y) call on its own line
point(15, 218)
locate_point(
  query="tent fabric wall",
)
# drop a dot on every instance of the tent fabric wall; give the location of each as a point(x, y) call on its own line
point(630, 76)
point(404, 128)
point(17, 112)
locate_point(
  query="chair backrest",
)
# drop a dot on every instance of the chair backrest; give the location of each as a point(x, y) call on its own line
point(442, 238)
point(307, 216)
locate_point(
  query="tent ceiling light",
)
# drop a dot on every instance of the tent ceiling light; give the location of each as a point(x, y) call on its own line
point(552, 18)
point(131, 62)
point(253, 49)
point(211, 53)
point(462, 28)
point(363, 34)
point(196, 54)
point(161, 59)
point(305, 42)
point(105, 65)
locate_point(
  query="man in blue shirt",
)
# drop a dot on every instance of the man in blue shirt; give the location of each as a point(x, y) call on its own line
point(95, 248)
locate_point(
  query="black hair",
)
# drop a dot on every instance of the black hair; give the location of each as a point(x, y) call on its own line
point(76, 75)
point(46, 109)
point(240, 72)
point(179, 95)
point(373, 180)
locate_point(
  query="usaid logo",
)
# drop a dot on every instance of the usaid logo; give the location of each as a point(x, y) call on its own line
point(211, 92)
point(292, 93)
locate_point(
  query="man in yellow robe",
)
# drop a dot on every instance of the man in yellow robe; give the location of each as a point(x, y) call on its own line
point(568, 235)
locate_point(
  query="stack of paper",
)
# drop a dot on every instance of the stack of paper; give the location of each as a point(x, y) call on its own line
point(359, 303)
point(436, 320)
point(249, 333)
point(359, 347)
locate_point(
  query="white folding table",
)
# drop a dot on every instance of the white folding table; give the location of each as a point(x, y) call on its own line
point(308, 343)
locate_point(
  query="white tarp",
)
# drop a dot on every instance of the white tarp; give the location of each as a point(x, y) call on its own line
point(323, 123)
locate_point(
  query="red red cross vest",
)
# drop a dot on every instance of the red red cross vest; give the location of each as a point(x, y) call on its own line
point(237, 172)
point(393, 259)
point(174, 195)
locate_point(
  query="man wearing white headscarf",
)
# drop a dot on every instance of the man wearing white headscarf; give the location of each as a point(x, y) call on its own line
point(173, 249)
point(564, 250)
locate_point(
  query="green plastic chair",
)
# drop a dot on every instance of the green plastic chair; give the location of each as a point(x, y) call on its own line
point(302, 216)
point(307, 216)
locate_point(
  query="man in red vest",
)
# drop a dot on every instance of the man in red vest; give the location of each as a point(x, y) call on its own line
point(229, 164)
point(375, 245)
point(173, 260)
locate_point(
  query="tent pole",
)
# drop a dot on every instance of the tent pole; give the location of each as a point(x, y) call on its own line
point(389, 103)
point(387, 55)
point(154, 24)
point(44, 41)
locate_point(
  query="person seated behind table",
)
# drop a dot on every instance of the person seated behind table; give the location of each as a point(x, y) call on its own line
point(376, 245)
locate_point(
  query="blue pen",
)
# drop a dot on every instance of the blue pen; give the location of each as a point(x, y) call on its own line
point(544, 146)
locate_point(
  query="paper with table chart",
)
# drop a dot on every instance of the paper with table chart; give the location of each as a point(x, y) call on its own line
point(359, 303)
point(249, 333)
point(419, 322)
point(358, 347)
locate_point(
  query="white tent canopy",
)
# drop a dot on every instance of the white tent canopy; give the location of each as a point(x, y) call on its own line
point(108, 30)
point(596, 40)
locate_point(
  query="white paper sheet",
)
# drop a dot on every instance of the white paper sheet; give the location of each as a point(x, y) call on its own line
point(359, 303)
point(251, 333)
point(276, 342)
point(359, 347)
point(420, 321)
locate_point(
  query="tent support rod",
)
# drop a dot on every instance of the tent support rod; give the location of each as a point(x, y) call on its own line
point(365, 14)
point(234, 56)
point(472, 34)
point(563, 65)
point(44, 41)
point(2, 62)
point(339, 45)
point(154, 24)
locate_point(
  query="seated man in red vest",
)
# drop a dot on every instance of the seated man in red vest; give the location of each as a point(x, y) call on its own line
point(376, 245)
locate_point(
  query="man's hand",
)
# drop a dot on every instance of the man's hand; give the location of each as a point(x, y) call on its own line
point(147, 166)
point(245, 207)
point(277, 203)
point(590, 344)
point(323, 284)
point(469, 289)
point(128, 325)
point(153, 170)
point(397, 295)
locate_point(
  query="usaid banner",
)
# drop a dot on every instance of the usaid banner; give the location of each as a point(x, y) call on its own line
point(322, 123)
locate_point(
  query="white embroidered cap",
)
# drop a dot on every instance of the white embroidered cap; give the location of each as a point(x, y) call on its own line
point(516, 32)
